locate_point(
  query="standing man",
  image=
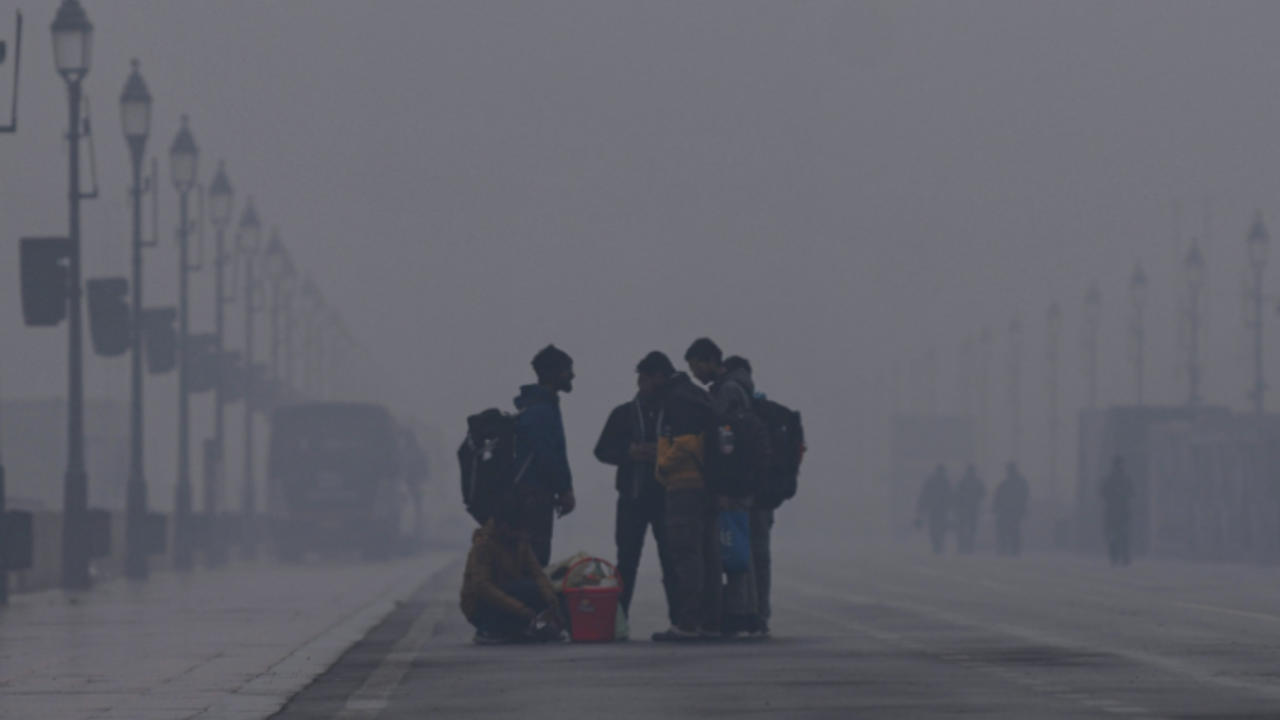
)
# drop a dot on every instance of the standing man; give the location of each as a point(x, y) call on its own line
point(935, 503)
point(692, 531)
point(1117, 500)
point(547, 484)
point(731, 392)
point(969, 494)
point(629, 441)
point(785, 459)
point(1010, 506)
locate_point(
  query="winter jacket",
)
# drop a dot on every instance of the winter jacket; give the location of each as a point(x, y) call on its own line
point(684, 416)
point(1011, 497)
point(732, 392)
point(637, 422)
point(540, 434)
point(498, 558)
point(935, 497)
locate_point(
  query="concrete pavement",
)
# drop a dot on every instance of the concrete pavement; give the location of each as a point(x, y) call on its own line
point(230, 643)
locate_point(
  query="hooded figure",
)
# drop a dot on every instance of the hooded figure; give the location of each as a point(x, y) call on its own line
point(1117, 500)
point(967, 503)
point(934, 504)
point(540, 445)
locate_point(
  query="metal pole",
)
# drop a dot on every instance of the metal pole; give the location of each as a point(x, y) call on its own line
point(1053, 358)
point(75, 536)
point(1140, 352)
point(248, 499)
point(1193, 395)
point(1259, 383)
point(182, 514)
point(213, 485)
point(275, 327)
point(136, 502)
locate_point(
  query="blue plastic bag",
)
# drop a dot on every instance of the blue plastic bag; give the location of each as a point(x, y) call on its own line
point(735, 541)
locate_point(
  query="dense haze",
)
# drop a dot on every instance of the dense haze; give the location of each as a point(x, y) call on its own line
point(829, 188)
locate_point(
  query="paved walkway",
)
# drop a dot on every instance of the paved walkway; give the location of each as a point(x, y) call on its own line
point(231, 643)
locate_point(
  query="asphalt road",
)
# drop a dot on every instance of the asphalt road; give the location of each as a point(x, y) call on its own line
point(861, 633)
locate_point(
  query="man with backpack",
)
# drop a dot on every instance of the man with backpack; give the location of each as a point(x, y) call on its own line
point(787, 448)
point(692, 533)
point(540, 450)
point(738, 464)
point(629, 441)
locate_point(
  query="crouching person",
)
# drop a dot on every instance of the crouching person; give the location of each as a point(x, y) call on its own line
point(505, 593)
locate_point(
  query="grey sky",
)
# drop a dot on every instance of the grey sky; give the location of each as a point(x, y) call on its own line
point(828, 188)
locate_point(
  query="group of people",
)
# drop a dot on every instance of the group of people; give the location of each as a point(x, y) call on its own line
point(944, 507)
point(659, 441)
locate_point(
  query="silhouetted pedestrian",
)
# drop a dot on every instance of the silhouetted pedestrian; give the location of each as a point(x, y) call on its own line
point(934, 506)
point(630, 442)
point(540, 447)
point(1010, 507)
point(1117, 501)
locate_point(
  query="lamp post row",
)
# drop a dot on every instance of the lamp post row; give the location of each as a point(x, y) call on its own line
point(72, 42)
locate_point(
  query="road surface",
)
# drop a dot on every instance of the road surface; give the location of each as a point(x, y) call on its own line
point(862, 633)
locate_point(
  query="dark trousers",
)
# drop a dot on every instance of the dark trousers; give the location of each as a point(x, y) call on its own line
point(762, 560)
point(693, 544)
point(539, 521)
point(636, 515)
point(497, 621)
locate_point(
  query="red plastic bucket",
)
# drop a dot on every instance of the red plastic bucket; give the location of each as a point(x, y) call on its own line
point(593, 611)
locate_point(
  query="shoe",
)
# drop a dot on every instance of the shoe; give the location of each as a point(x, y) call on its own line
point(675, 634)
point(760, 632)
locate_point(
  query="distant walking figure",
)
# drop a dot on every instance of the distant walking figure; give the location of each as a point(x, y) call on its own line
point(1117, 501)
point(1010, 506)
point(934, 504)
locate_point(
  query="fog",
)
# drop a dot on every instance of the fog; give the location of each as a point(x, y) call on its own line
point(831, 189)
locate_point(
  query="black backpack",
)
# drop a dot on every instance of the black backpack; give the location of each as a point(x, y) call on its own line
point(786, 444)
point(736, 454)
point(487, 459)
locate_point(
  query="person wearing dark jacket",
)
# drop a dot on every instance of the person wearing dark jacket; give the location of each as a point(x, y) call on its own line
point(731, 390)
point(629, 441)
point(540, 448)
point(692, 532)
point(934, 505)
point(1010, 506)
point(761, 523)
point(1117, 500)
point(505, 593)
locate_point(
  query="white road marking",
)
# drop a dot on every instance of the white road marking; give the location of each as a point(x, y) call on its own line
point(371, 699)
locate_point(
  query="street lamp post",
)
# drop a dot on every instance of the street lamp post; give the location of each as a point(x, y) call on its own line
point(72, 49)
point(1138, 329)
point(1015, 388)
point(1194, 269)
point(183, 158)
point(1259, 243)
point(135, 117)
point(275, 258)
point(220, 201)
point(1092, 321)
point(1052, 361)
point(250, 236)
